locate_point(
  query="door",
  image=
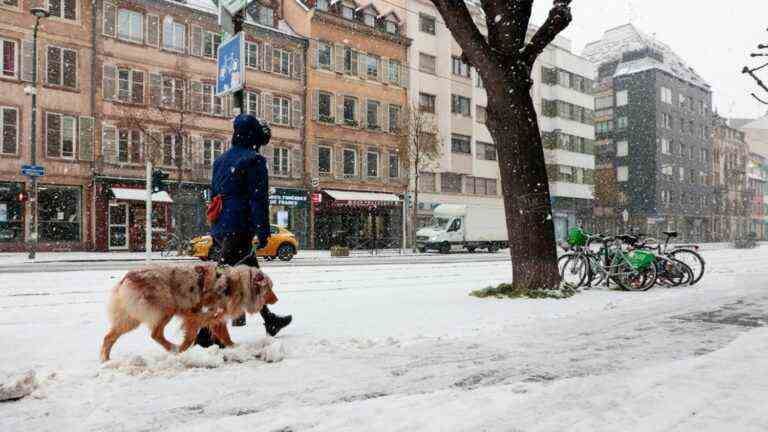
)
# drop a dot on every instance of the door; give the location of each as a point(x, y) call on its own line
point(118, 226)
point(456, 231)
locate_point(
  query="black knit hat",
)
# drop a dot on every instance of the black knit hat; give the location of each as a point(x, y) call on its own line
point(250, 131)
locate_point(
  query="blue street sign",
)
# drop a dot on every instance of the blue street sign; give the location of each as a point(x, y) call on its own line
point(32, 170)
point(230, 74)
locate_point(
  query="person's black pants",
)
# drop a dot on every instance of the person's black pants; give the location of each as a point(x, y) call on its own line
point(235, 247)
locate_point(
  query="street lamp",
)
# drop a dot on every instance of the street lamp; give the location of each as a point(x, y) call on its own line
point(38, 12)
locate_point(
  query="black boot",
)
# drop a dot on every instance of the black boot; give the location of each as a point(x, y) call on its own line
point(274, 323)
point(205, 338)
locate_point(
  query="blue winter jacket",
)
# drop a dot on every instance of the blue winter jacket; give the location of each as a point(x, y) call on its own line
point(240, 177)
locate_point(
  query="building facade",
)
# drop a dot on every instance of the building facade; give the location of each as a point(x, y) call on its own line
point(138, 85)
point(356, 73)
point(467, 170)
point(729, 214)
point(756, 191)
point(654, 137)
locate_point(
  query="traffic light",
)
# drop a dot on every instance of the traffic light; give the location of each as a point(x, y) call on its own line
point(158, 180)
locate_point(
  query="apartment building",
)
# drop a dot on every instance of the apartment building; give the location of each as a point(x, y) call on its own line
point(756, 191)
point(729, 214)
point(357, 83)
point(653, 125)
point(65, 139)
point(467, 171)
point(137, 83)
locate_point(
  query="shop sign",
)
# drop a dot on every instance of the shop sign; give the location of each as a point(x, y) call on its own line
point(287, 200)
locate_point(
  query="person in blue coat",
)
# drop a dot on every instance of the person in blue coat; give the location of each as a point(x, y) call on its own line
point(241, 179)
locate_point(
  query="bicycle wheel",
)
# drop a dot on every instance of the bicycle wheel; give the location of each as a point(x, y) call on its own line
point(631, 279)
point(673, 273)
point(693, 260)
point(573, 269)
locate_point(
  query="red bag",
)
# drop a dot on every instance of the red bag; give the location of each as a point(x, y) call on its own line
point(214, 209)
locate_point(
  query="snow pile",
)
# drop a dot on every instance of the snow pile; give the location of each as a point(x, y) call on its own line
point(17, 386)
point(267, 349)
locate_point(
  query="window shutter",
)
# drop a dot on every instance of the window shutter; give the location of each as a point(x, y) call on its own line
point(266, 64)
point(380, 74)
point(197, 96)
point(153, 30)
point(315, 166)
point(155, 90)
point(364, 114)
point(108, 136)
point(296, 117)
point(197, 41)
point(385, 66)
point(267, 106)
point(27, 62)
point(195, 151)
point(109, 19)
point(339, 51)
point(361, 68)
point(315, 102)
point(108, 81)
point(339, 162)
point(385, 123)
point(85, 138)
point(312, 53)
point(339, 108)
point(354, 64)
point(298, 65)
point(297, 167)
point(359, 114)
point(404, 71)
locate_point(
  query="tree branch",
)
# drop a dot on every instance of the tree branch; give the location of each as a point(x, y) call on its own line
point(473, 44)
point(557, 21)
point(507, 23)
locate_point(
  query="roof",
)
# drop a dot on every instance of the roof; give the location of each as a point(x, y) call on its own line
point(622, 39)
point(361, 196)
point(761, 123)
point(140, 195)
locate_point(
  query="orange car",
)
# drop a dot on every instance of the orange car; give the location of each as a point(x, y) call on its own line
point(282, 244)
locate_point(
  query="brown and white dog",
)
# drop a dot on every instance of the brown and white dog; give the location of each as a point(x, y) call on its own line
point(201, 295)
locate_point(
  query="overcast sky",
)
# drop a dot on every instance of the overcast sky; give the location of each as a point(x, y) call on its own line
point(713, 37)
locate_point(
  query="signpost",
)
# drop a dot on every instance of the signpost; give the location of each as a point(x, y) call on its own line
point(230, 71)
point(32, 170)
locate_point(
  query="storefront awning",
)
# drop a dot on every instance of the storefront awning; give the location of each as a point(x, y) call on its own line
point(140, 195)
point(362, 198)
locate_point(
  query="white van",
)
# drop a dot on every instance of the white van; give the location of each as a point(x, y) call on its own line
point(465, 226)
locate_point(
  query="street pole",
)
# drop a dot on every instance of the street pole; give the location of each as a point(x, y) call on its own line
point(33, 148)
point(238, 97)
point(406, 202)
point(148, 222)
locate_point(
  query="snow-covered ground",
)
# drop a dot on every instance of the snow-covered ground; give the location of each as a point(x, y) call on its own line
point(404, 348)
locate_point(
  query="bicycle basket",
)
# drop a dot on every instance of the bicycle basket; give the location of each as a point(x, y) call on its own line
point(576, 237)
point(641, 259)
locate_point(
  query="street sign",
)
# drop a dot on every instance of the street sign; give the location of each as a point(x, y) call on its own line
point(230, 71)
point(317, 198)
point(32, 170)
point(315, 182)
point(234, 6)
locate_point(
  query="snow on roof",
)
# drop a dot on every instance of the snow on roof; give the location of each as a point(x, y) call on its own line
point(761, 123)
point(361, 196)
point(140, 195)
point(618, 40)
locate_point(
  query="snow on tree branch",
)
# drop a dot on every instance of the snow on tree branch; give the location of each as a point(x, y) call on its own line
point(557, 21)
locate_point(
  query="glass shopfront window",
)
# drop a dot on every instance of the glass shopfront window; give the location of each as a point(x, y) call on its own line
point(11, 213)
point(59, 214)
point(288, 209)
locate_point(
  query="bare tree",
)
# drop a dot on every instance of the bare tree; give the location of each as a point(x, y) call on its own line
point(753, 73)
point(420, 145)
point(505, 60)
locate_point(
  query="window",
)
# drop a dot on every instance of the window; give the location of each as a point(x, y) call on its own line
point(603, 102)
point(480, 114)
point(427, 102)
point(252, 55)
point(459, 67)
point(665, 146)
point(681, 174)
point(59, 213)
point(204, 100)
point(451, 182)
point(324, 56)
point(129, 146)
point(281, 110)
point(130, 26)
point(172, 149)
point(621, 122)
point(427, 24)
point(62, 67)
point(486, 151)
point(622, 98)
point(324, 158)
point(390, 27)
point(266, 16)
point(212, 149)
point(325, 107)
point(174, 35)
point(369, 19)
point(130, 86)
point(173, 92)
point(153, 30)
point(604, 127)
point(281, 161)
point(461, 144)
point(66, 9)
point(666, 95)
point(372, 164)
point(394, 165)
point(622, 173)
point(372, 66)
point(281, 61)
point(348, 11)
point(211, 42)
point(427, 63)
point(350, 111)
point(350, 61)
point(394, 118)
point(61, 131)
point(9, 59)
point(461, 105)
point(622, 148)
point(372, 115)
point(322, 5)
point(253, 104)
point(427, 182)
point(666, 121)
point(393, 72)
point(350, 162)
point(9, 130)
point(668, 170)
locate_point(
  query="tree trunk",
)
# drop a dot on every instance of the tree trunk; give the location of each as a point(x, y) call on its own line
point(513, 124)
point(414, 226)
